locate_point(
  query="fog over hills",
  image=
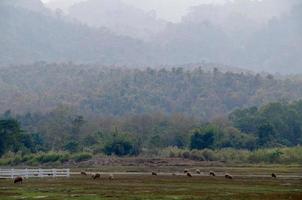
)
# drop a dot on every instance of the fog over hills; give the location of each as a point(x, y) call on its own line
point(119, 17)
point(32, 5)
point(150, 77)
point(254, 35)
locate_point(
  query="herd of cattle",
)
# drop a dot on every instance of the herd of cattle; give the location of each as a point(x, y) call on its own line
point(211, 173)
point(95, 176)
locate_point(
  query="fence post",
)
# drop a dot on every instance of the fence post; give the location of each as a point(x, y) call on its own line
point(40, 173)
point(26, 173)
point(54, 173)
point(12, 173)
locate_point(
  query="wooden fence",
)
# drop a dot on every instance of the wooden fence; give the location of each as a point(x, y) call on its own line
point(29, 173)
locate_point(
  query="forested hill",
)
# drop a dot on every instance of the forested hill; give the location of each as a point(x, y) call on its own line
point(113, 91)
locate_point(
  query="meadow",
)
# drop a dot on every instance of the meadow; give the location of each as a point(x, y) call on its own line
point(248, 183)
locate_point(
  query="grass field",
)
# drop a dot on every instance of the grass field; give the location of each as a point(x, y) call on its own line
point(162, 187)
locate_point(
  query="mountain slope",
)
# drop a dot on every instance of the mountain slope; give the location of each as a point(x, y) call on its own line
point(117, 16)
point(237, 39)
point(28, 36)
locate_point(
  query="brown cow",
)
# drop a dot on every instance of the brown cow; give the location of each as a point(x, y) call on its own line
point(212, 173)
point(96, 176)
point(189, 174)
point(83, 173)
point(228, 176)
point(18, 179)
point(111, 177)
point(154, 174)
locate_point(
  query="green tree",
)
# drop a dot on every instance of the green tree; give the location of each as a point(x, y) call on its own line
point(76, 125)
point(266, 134)
point(203, 138)
point(121, 145)
point(72, 146)
point(10, 134)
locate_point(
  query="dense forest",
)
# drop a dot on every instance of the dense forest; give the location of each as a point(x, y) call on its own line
point(272, 125)
point(93, 90)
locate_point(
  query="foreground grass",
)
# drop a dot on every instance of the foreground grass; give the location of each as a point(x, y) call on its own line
point(147, 187)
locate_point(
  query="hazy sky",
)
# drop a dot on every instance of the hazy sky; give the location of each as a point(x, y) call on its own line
point(171, 10)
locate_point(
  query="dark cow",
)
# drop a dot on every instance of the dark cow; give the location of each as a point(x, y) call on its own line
point(212, 173)
point(228, 176)
point(18, 179)
point(189, 174)
point(96, 176)
point(83, 173)
point(154, 174)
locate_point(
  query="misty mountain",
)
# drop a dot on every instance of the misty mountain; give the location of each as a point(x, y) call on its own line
point(191, 43)
point(278, 45)
point(231, 34)
point(259, 12)
point(32, 5)
point(119, 17)
point(28, 36)
point(214, 34)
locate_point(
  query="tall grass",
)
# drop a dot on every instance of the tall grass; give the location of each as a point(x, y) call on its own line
point(287, 155)
point(51, 157)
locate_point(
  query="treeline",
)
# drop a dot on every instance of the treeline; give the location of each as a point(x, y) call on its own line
point(274, 125)
point(94, 90)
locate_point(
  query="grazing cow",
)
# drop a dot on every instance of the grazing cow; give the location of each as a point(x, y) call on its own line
point(96, 176)
point(173, 174)
point(111, 177)
point(228, 176)
point(198, 171)
point(83, 173)
point(274, 175)
point(189, 174)
point(154, 174)
point(18, 179)
point(186, 171)
point(212, 173)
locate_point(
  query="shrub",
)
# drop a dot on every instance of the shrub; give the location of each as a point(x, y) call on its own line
point(52, 157)
point(5, 161)
point(72, 146)
point(197, 155)
point(121, 147)
point(81, 157)
point(209, 155)
point(186, 154)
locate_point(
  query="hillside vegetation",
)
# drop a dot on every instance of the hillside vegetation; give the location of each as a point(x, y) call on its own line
point(113, 91)
point(275, 125)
